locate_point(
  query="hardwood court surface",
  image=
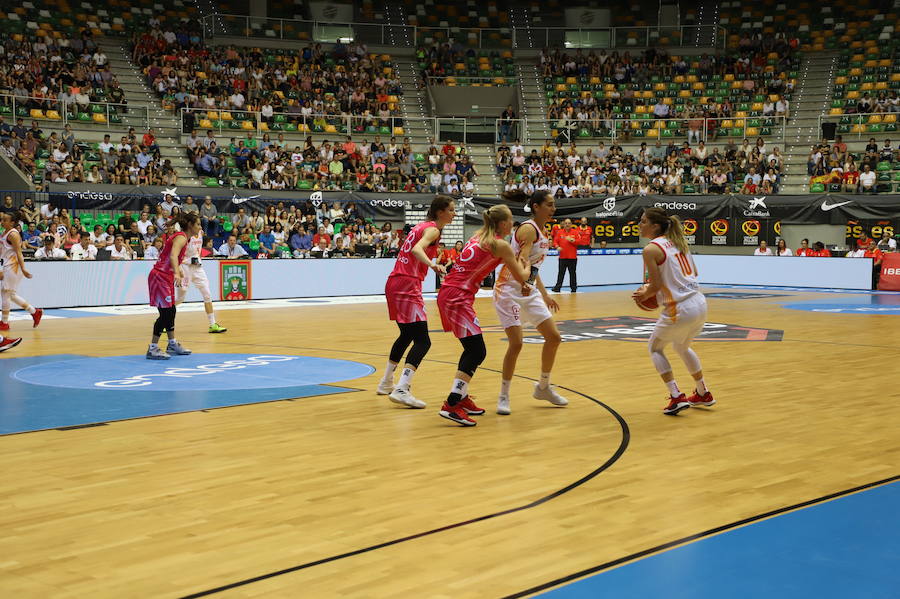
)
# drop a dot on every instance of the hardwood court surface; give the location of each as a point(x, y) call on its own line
point(173, 505)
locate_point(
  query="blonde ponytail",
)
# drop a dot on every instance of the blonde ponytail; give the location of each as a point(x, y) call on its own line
point(675, 234)
point(493, 216)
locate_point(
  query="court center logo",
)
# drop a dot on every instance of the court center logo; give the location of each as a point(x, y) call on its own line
point(143, 380)
point(234, 280)
point(633, 328)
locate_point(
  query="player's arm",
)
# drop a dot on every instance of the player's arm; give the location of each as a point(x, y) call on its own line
point(551, 303)
point(504, 251)
point(16, 242)
point(177, 244)
point(430, 235)
point(653, 257)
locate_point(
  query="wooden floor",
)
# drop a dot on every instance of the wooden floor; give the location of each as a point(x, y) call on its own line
point(174, 505)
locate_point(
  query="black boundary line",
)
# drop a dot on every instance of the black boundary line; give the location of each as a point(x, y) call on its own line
point(623, 445)
point(695, 537)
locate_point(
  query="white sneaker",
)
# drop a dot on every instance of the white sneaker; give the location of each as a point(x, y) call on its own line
point(503, 406)
point(176, 349)
point(384, 388)
point(550, 395)
point(156, 353)
point(402, 395)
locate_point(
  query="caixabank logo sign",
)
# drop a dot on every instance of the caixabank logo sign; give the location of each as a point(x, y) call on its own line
point(634, 328)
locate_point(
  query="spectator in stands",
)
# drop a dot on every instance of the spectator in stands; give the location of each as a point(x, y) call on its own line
point(867, 180)
point(267, 242)
point(49, 251)
point(781, 248)
point(804, 249)
point(820, 251)
point(84, 249)
point(153, 250)
point(118, 250)
point(763, 249)
point(887, 243)
point(231, 248)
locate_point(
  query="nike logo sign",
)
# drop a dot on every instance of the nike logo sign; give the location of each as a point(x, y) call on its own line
point(826, 206)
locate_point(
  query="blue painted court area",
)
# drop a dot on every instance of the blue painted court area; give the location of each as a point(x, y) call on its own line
point(872, 304)
point(846, 547)
point(70, 390)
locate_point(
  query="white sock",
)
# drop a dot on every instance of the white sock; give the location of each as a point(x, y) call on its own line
point(389, 372)
point(211, 317)
point(31, 310)
point(504, 388)
point(406, 377)
point(545, 380)
point(674, 391)
point(701, 386)
point(460, 386)
point(172, 341)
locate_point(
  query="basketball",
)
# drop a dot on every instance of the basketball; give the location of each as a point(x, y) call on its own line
point(648, 304)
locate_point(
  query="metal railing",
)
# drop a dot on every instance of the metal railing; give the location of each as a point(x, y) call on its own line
point(882, 119)
point(467, 80)
point(620, 37)
point(649, 127)
point(110, 114)
point(472, 37)
point(312, 31)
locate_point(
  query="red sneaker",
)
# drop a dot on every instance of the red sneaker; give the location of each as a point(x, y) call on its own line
point(705, 400)
point(36, 317)
point(9, 343)
point(4, 326)
point(469, 406)
point(676, 404)
point(457, 414)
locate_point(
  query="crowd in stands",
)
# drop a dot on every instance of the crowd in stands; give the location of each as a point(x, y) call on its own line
point(332, 165)
point(831, 167)
point(570, 170)
point(299, 230)
point(303, 84)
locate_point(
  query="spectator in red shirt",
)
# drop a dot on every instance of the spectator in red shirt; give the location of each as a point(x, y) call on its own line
point(567, 239)
point(149, 142)
point(448, 149)
point(877, 256)
point(804, 249)
point(821, 251)
point(584, 229)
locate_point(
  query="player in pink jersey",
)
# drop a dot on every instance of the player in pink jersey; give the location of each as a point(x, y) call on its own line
point(162, 280)
point(403, 292)
point(480, 256)
point(12, 269)
point(672, 279)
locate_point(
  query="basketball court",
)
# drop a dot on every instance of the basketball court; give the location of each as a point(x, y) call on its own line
point(265, 465)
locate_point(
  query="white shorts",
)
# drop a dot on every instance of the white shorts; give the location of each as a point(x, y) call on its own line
point(196, 276)
point(682, 326)
point(513, 309)
point(11, 279)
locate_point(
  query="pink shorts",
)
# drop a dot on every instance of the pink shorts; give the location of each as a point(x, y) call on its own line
point(458, 312)
point(404, 299)
point(162, 289)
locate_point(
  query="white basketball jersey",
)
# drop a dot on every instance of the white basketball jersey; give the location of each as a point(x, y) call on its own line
point(679, 275)
point(7, 253)
point(536, 256)
point(194, 245)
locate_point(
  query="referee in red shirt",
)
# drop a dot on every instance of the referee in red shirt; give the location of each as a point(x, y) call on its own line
point(567, 239)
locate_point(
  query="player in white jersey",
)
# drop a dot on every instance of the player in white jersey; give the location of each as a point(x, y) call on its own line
point(12, 270)
point(192, 267)
point(530, 245)
point(672, 279)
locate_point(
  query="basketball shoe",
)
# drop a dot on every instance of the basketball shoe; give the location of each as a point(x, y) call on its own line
point(176, 349)
point(403, 396)
point(9, 343)
point(156, 353)
point(676, 404)
point(36, 317)
point(457, 414)
point(705, 400)
point(4, 326)
point(215, 328)
point(549, 394)
point(503, 406)
point(469, 406)
point(384, 387)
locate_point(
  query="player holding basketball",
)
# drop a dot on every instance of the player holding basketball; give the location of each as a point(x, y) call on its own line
point(530, 246)
point(480, 256)
point(162, 280)
point(192, 268)
point(403, 292)
point(672, 279)
point(13, 269)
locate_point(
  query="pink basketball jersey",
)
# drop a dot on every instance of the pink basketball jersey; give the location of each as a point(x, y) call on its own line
point(472, 266)
point(406, 263)
point(163, 264)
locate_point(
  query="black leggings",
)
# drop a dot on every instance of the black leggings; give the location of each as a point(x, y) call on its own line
point(165, 322)
point(415, 333)
point(474, 353)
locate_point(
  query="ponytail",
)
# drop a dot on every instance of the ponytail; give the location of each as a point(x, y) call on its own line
point(517, 196)
point(675, 234)
point(493, 216)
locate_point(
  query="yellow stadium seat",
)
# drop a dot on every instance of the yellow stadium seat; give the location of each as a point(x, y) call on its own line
point(668, 101)
point(330, 129)
point(679, 78)
point(752, 131)
point(836, 111)
point(881, 85)
point(212, 115)
point(569, 80)
point(867, 87)
point(856, 71)
point(875, 118)
point(263, 126)
point(399, 131)
point(36, 113)
point(652, 133)
point(640, 109)
point(658, 87)
point(609, 87)
point(841, 80)
point(698, 85)
point(691, 78)
point(756, 106)
point(248, 125)
point(774, 97)
point(729, 77)
point(226, 116)
point(858, 128)
point(727, 124)
point(685, 93)
point(739, 123)
point(852, 95)
point(594, 80)
point(740, 113)
point(205, 124)
point(52, 114)
point(99, 117)
point(889, 118)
